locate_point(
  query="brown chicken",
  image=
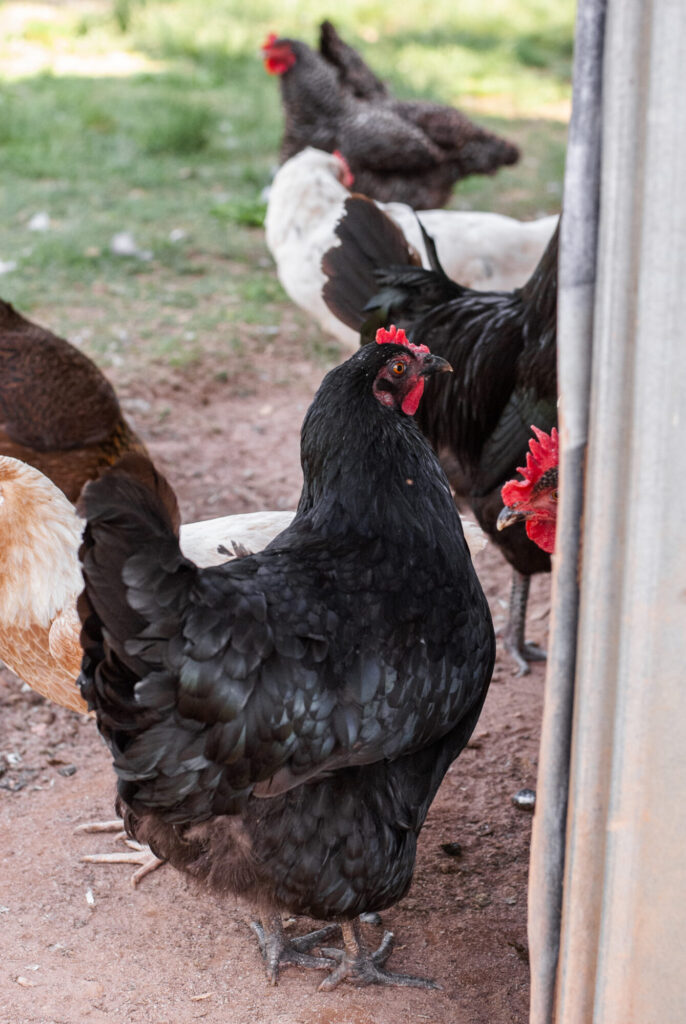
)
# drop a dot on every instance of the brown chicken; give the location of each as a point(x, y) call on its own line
point(57, 410)
point(408, 151)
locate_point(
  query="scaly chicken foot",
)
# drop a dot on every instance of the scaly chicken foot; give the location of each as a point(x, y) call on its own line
point(278, 950)
point(513, 638)
point(137, 854)
point(362, 967)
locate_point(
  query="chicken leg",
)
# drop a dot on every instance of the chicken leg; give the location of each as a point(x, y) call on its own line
point(362, 967)
point(513, 639)
point(277, 949)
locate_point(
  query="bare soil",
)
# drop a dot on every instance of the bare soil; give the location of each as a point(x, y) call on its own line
point(78, 945)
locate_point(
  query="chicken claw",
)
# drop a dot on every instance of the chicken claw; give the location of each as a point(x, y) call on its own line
point(138, 854)
point(278, 950)
point(361, 967)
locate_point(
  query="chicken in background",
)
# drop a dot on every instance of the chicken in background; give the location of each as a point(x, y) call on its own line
point(533, 500)
point(408, 151)
point(481, 250)
point(280, 724)
point(57, 410)
point(503, 349)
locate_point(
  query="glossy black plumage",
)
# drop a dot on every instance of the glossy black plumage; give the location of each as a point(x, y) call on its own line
point(280, 724)
point(502, 347)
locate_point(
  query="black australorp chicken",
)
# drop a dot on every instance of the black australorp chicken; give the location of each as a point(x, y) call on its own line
point(280, 724)
point(502, 347)
point(408, 151)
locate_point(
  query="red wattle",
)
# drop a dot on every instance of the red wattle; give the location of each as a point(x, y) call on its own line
point(542, 532)
point(411, 401)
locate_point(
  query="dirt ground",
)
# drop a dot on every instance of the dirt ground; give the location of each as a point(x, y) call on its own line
point(78, 945)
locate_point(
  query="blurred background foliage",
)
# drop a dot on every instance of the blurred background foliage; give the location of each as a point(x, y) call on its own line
point(155, 119)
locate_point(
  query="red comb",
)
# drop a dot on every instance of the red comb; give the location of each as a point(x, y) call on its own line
point(269, 41)
point(397, 336)
point(543, 454)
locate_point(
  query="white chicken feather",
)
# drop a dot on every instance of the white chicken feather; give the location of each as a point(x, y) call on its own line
point(486, 251)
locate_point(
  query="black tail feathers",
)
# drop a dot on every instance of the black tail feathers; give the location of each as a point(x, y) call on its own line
point(370, 241)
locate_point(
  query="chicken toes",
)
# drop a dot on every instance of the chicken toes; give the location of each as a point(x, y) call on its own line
point(278, 950)
point(361, 967)
point(136, 854)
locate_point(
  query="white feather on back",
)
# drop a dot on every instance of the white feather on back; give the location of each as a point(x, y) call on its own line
point(486, 251)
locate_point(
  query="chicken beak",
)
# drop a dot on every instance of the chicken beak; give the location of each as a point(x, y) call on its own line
point(435, 364)
point(508, 516)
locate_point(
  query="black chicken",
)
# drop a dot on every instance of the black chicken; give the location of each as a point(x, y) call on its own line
point(409, 151)
point(503, 348)
point(280, 724)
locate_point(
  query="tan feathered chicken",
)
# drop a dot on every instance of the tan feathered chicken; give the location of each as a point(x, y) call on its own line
point(39, 580)
point(40, 577)
point(484, 251)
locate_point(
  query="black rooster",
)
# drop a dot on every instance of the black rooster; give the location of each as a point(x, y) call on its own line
point(503, 349)
point(280, 724)
point(408, 151)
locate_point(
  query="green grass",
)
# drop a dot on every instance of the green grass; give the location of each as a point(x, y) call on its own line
point(174, 139)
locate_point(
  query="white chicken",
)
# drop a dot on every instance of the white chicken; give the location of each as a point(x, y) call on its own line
point(486, 251)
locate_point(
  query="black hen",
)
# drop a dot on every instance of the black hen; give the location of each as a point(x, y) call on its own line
point(408, 151)
point(503, 348)
point(280, 724)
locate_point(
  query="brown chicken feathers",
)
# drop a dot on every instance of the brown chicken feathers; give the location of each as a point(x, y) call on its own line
point(57, 410)
point(280, 724)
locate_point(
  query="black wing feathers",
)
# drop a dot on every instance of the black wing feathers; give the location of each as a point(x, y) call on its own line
point(268, 670)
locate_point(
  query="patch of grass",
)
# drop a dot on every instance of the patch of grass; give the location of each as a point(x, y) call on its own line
point(155, 117)
point(185, 128)
point(249, 212)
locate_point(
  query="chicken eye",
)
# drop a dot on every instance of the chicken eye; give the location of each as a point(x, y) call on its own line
point(554, 494)
point(398, 368)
